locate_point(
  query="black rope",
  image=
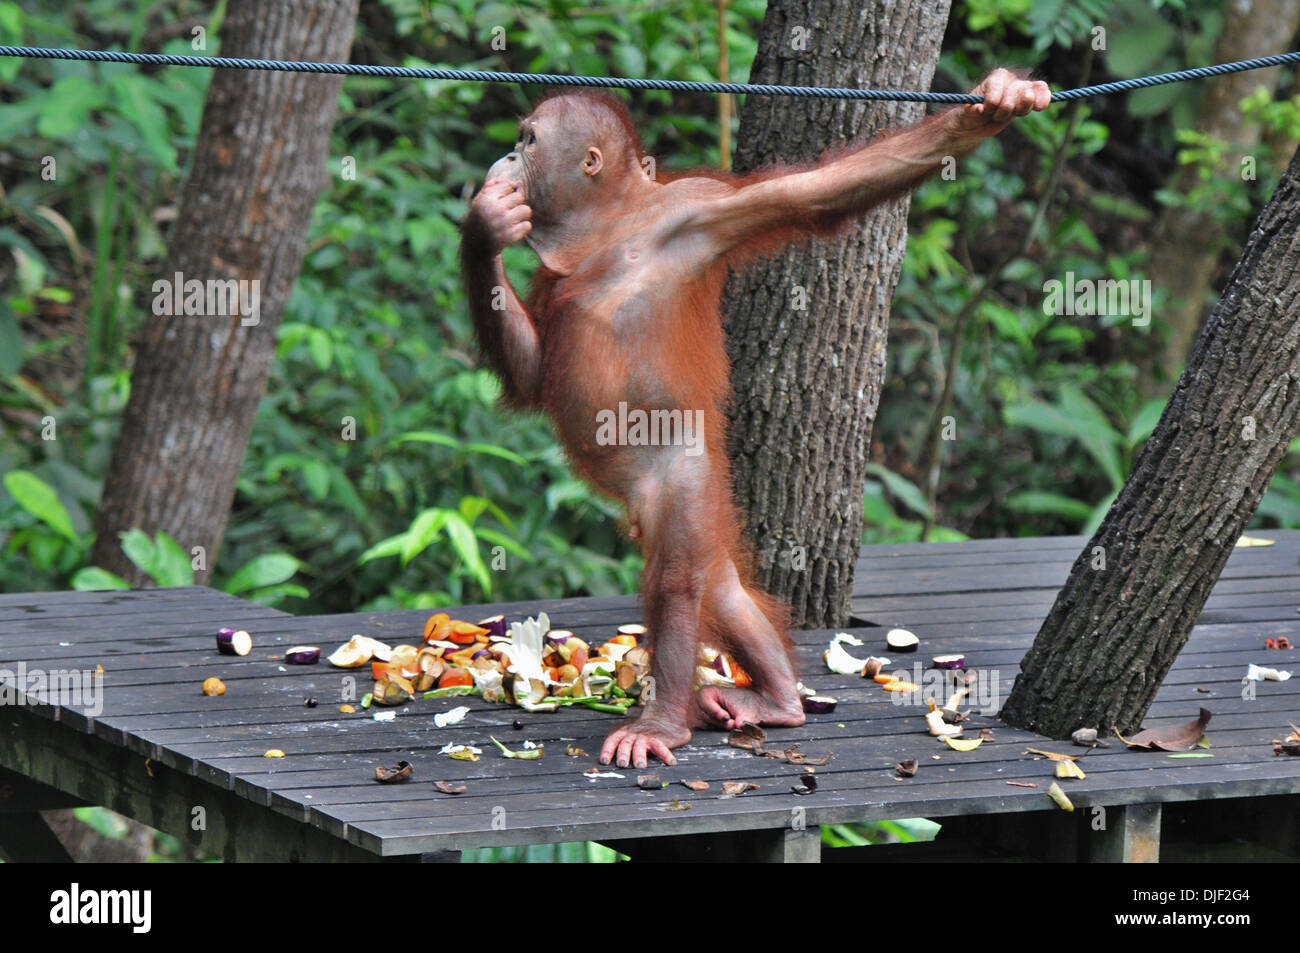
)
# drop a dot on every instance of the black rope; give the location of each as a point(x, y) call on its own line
point(616, 82)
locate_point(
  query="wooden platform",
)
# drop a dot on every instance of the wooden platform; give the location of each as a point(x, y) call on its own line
point(152, 747)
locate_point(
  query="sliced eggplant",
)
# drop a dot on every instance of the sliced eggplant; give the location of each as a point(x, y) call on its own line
point(948, 661)
point(901, 640)
point(495, 624)
point(819, 704)
point(234, 642)
point(303, 655)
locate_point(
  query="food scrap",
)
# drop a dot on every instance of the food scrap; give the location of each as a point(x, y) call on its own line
point(274, 753)
point(1260, 673)
point(528, 754)
point(234, 642)
point(906, 769)
point(696, 785)
point(1068, 769)
point(807, 785)
point(461, 752)
point(214, 686)
point(447, 787)
point(1058, 796)
point(650, 782)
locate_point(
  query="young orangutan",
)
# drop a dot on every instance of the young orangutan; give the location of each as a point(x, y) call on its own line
point(623, 317)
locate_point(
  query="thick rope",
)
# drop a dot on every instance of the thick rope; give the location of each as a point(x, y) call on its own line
point(615, 82)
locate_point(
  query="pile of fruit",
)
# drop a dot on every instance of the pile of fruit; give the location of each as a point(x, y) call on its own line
point(522, 663)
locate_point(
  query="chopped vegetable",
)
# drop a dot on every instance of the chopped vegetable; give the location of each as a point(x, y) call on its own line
point(901, 640)
point(819, 704)
point(948, 661)
point(962, 744)
point(234, 642)
point(302, 655)
point(214, 686)
point(939, 728)
point(274, 753)
point(453, 717)
point(527, 755)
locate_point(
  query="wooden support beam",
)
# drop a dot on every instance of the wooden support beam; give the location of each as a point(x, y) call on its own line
point(1131, 835)
point(780, 846)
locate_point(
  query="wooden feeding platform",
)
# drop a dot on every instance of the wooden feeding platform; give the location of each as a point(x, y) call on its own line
point(140, 738)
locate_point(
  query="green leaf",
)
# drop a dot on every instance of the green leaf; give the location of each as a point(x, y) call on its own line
point(172, 564)
point(424, 529)
point(427, 436)
point(92, 578)
point(11, 344)
point(1035, 501)
point(388, 547)
point(134, 96)
point(1144, 422)
point(495, 451)
point(140, 549)
point(67, 106)
point(38, 498)
point(463, 539)
point(268, 569)
point(904, 490)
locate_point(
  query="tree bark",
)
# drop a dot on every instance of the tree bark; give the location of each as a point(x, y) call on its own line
point(259, 166)
point(807, 379)
point(1135, 592)
point(1187, 240)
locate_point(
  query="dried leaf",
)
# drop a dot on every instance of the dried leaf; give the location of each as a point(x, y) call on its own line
point(1172, 738)
point(696, 785)
point(389, 775)
point(906, 769)
point(649, 782)
point(807, 785)
point(448, 787)
point(799, 757)
point(1057, 795)
point(732, 788)
point(1053, 755)
point(746, 737)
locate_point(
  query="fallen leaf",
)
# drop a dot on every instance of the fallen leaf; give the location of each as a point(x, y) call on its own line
point(732, 788)
point(696, 785)
point(1058, 796)
point(746, 737)
point(906, 768)
point(807, 785)
point(447, 787)
point(389, 775)
point(1172, 738)
point(1053, 755)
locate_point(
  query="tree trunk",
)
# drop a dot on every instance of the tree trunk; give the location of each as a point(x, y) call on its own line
point(259, 166)
point(1187, 239)
point(1139, 586)
point(807, 328)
